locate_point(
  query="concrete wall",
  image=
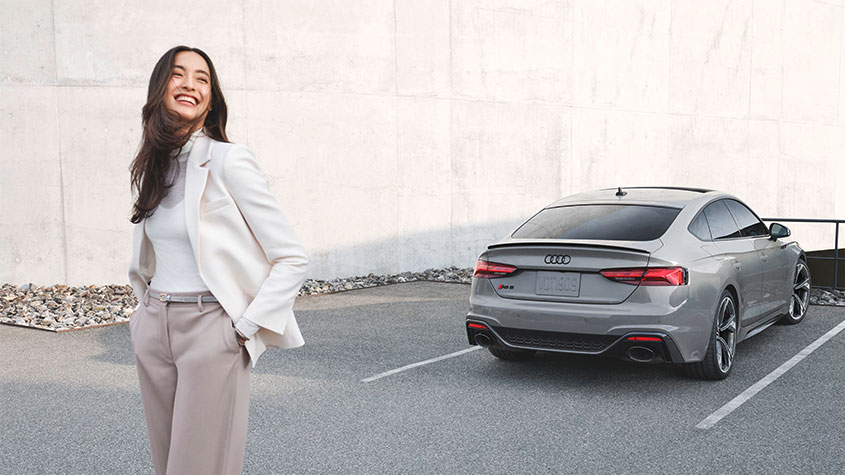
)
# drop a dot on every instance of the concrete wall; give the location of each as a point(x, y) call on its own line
point(405, 134)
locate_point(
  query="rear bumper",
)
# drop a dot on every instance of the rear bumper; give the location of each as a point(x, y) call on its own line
point(661, 344)
point(548, 326)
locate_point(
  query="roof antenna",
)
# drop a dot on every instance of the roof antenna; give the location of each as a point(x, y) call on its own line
point(621, 193)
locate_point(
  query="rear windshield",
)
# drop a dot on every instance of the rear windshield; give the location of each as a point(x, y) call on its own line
point(603, 222)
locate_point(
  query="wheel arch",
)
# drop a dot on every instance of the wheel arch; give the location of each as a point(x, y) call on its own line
point(734, 293)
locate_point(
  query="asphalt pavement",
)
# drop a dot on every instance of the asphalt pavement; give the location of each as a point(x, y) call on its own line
point(69, 403)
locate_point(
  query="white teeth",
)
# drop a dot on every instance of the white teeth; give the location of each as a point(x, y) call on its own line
point(187, 98)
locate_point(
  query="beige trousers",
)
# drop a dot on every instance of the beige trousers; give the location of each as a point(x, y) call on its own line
point(194, 380)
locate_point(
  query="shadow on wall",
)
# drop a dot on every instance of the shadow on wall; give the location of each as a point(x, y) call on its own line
point(455, 246)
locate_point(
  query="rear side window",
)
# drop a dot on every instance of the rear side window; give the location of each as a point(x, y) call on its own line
point(722, 224)
point(602, 222)
point(699, 228)
point(749, 224)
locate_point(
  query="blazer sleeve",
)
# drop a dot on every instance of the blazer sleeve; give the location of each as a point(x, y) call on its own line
point(139, 272)
point(272, 306)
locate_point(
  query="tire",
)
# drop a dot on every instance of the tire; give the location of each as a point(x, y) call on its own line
point(511, 355)
point(721, 350)
point(800, 298)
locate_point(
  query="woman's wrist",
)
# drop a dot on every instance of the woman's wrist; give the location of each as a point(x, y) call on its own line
point(247, 327)
point(242, 339)
point(244, 330)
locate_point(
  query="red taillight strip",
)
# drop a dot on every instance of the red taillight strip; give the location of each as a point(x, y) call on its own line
point(644, 338)
point(648, 275)
point(628, 276)
point(477, 325)
point(490, 270)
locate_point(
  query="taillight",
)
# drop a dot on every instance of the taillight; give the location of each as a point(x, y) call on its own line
point(648, 275)
point(491, 270)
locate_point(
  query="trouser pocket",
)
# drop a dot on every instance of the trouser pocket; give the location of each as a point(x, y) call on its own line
point(229, 338)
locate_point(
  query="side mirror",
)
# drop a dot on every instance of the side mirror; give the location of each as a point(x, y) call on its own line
point(778, 231)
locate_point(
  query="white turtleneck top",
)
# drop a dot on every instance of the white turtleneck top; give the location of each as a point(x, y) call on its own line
point(176, 267)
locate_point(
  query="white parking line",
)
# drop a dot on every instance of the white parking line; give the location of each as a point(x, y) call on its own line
point(414, 365)
point(734, 403)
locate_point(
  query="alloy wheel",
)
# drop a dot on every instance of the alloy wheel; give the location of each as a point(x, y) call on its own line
point(800, 292)
point(726, 334)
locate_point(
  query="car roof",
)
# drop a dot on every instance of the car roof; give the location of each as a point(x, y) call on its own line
point(675, 197)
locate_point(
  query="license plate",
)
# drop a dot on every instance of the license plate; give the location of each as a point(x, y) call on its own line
point(562, 284)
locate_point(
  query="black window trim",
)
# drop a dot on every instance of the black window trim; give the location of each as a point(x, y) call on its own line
point(741, 237)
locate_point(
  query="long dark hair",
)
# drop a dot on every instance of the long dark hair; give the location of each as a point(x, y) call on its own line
point(165, 131)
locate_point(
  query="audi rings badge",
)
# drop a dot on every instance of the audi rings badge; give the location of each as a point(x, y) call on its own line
point(557, 259)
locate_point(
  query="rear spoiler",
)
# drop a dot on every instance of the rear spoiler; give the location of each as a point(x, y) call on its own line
point(644, 247)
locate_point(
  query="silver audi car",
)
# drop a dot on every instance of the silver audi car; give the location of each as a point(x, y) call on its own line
point(677, 275)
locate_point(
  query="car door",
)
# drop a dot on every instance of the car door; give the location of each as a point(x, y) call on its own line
point(776, 282)
point(744, 259)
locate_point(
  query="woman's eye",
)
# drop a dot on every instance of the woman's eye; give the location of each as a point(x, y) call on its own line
point(176, 75)
point(204, 81)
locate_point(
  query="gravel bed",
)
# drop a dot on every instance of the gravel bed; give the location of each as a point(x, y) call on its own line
point(449, 274)
point(62, 308)
point(834, 298)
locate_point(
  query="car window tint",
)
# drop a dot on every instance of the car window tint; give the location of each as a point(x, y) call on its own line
point(722, 224)
point(699, 228)
point(749, 224)
point(602, 222)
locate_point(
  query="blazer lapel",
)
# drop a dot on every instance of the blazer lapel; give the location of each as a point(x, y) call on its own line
point(196, 176)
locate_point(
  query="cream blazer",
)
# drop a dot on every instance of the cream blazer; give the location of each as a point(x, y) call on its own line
point(248, 254)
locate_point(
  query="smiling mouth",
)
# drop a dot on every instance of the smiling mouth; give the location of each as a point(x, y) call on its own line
point(187, 100)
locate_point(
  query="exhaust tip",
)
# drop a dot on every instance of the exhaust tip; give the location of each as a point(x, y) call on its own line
point(482, 339)
point(640, 354)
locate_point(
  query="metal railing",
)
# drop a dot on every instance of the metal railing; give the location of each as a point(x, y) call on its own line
point(835, 257)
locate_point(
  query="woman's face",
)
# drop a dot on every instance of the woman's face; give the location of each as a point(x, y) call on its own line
point(189, 89)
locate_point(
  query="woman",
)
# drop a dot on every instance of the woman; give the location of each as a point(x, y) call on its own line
point(215, 267)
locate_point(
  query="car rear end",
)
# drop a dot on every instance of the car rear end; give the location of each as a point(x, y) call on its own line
point(584, 278)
